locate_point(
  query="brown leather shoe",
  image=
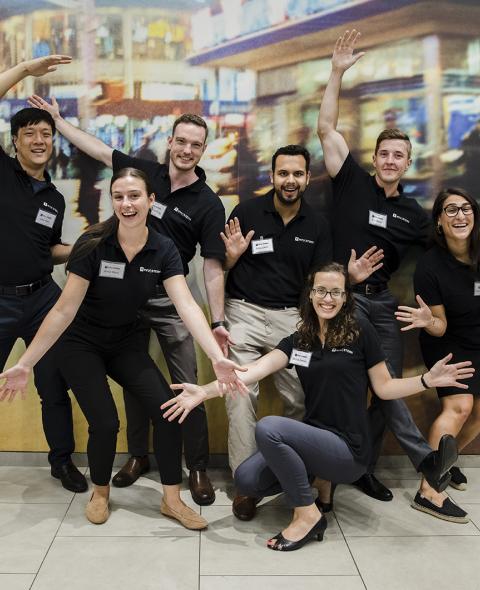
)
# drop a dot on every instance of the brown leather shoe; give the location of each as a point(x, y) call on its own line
point(131, 471)
point(245, 507)
point(186, 516)
point(201, 488)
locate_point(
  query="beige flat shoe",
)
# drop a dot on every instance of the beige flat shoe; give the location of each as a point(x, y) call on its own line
point(187, 517)
point(97, 510)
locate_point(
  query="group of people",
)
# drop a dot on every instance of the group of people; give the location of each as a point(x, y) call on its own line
point(327, 331)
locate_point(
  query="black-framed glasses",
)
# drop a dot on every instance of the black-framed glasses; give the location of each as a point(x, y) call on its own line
point(452, 210)
point(321, 293)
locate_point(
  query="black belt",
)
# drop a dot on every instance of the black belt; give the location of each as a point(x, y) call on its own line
point(23, 290)
point(368, 289)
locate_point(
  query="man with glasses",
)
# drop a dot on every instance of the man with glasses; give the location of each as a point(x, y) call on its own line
point(373, 210)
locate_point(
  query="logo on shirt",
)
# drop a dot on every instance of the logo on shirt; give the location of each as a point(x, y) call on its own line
point(152, 270)
point(342, 350)
point(177, 210)
point(297, 239)
point(401, 218)
point(50, 207)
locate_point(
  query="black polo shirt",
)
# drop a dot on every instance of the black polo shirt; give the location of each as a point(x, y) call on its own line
point(30, 224)
point(118, 288)
point(441, 279)
point(363, 217)
point(335, 385)
point(275, 275)
point(189, 216)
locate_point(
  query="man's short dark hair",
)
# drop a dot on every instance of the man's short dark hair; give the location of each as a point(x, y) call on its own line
point(292, 150)
point(394, 134)
point(30, 116)
point(191, 119)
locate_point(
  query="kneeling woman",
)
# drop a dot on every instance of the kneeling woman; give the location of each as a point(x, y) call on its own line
point(113, 270)
point(335, 358)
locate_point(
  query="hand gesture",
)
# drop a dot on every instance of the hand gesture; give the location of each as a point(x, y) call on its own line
point(39, 103)
point(181, 405)
point(235, 242)
point(361, 268)
point(228, 380)
point(16, 380)
point(44, 65)
point(343, 57)
point(222, 336)
point(444, 375)
point(416, 317)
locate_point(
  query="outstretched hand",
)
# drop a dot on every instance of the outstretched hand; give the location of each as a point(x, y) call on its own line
point(444, 375)
point(16, 380)
point(228, 380)
point(235, 242)
point(343, 56)
point(44, 65)
point(222, 336)
point(359, 269)
point(181, 405)
point(39, 103)
point(420, 317)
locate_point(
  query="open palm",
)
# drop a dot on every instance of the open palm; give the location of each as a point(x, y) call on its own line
point(44, 65)
point(343, 56)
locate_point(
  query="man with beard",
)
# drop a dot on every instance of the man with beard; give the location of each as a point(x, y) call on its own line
point(190, 213)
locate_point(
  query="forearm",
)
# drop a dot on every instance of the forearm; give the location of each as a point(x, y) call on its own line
point(197, 325)
point(10, 77)
point(60, 253)
point(436, 327)
point(89, 144)
point(398, 388)
point(214, 287)
point(230, 261)
point(328, 115)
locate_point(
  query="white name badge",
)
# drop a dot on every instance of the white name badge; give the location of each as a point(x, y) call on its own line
point(45, 218)
point(158, 210)
point(262, 246)
point(476, 288)
point(112, 270)
point(300, 357)
point(378, 219)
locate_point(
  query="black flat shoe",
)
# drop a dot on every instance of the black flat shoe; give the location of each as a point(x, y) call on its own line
point(71, 478)
point(447, 511)
point(326, 506)
point(458, 479)
point(436, 466)
point(370, 485)
point(282, 544)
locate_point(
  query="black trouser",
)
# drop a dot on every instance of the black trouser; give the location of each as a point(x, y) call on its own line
point(179, 352)
point(90, 353)
point(379, 310)
point(20, 317)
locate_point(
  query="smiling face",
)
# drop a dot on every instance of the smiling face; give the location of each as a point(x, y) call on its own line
point(459, 227)
point(186, 146)
point(329, 306)
point(34, 145)
point(131, 202)
point(290, 178)
point(391, 161)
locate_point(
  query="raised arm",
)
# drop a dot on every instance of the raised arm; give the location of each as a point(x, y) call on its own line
point(85, 142)
point(235, 242)
point(33, 67)
point(335, 149)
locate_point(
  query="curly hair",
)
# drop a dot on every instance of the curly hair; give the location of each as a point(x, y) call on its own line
point(342, 329)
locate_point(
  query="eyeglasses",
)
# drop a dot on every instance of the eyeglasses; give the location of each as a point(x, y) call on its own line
point(452, 210)
point(321, 293)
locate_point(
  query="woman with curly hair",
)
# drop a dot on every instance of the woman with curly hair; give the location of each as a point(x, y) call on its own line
point(336, 357)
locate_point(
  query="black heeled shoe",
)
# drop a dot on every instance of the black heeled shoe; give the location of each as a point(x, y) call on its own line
point(326, 506)
point(282, 544)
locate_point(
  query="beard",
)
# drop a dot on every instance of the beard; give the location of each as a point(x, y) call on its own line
point(288, 201)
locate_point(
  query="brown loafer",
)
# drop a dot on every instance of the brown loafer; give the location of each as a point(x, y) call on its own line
point(186, 516)
point(245, 507)
point(201, 488)
point(131, 471)
point(97, 510)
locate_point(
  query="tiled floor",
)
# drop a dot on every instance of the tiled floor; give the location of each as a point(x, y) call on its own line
point(46, 543)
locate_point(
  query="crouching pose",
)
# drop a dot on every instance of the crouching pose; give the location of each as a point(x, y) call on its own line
point(335, 357)
point(113, 270)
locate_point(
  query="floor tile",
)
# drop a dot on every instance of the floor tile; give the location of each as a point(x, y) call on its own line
point(16, 581)
point(473, 512)
point(281, 582)
point(31, 485)
point(472, 494)
point(26, 531)
point(359, 515)
point(417, 563)
point(120, 564)
point(231, 547)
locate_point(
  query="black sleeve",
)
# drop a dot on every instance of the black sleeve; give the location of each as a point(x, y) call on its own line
point(323, 246)
point(87, 266)
point(56, 237)
point(425, 226)
point(345, 177)
point(286, 345)
point(372, 347)
point(236, 213)
point(211, 244)
point(171, 263)
point(121, 160)
point(425, 283)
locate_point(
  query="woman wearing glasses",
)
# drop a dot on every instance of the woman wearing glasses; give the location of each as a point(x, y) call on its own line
point(447, 283)
point(335, 357)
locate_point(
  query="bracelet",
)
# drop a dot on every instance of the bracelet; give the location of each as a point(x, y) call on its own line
point(424, 383)
point(214, 325)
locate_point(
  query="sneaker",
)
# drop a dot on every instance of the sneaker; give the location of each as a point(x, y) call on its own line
point(448, 511)
point(458, 479)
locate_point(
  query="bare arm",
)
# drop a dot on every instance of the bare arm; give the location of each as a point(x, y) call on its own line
point(214, 286)
point(33, 67)
point(85, 142)
point(431, 318)
point(60, 253)
point(335, 149)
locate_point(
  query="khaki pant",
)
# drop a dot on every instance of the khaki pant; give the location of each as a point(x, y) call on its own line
point(257, 330)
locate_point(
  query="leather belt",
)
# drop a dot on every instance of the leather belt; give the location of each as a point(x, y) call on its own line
point(23, 290)
point(368, 289)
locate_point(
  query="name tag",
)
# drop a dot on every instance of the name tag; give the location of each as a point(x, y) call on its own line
point(476, 288)
point(378, 219)
point(158, 209)
point(300, 357)
point(45, 218)
point(112, 270)
point(262, 246)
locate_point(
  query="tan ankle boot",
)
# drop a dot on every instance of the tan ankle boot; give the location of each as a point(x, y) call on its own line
point(97, 510)
point(186, 516)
